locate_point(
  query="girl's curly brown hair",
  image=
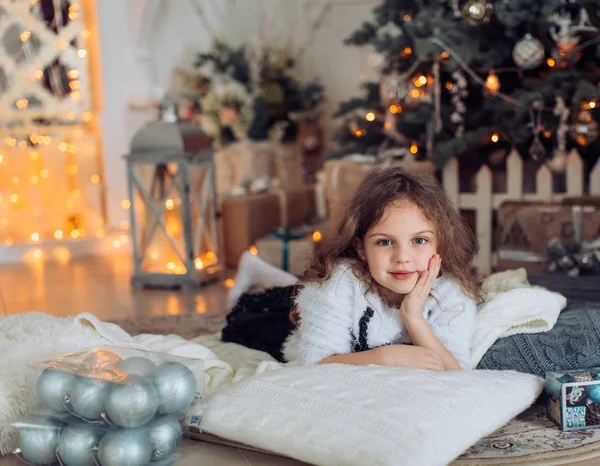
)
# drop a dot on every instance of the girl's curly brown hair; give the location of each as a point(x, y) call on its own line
point(457, 244)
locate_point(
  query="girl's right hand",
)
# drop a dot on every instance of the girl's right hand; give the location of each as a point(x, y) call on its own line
point(411, 357)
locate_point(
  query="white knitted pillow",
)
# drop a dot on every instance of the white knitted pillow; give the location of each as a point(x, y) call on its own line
point(349, 415)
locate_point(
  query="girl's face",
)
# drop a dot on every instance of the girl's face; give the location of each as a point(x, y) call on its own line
point(398, 248)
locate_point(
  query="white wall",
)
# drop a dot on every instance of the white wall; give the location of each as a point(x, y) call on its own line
point(142, 40)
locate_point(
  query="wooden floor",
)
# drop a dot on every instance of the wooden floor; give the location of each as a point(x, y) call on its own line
point(100, 286)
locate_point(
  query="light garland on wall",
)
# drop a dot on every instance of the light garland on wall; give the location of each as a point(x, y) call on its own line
point(51, 185)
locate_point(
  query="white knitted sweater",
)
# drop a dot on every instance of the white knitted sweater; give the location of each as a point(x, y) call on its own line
point(339, 317)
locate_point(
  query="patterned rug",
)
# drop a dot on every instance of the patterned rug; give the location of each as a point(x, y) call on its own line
point(186, 325)
point(529, 439)
point(532, 439)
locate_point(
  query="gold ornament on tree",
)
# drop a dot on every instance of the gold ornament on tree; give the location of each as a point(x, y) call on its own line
point(477, 12)
point(528, 53)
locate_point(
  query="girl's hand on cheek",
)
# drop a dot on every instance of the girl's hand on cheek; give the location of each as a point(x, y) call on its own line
point(413, 302)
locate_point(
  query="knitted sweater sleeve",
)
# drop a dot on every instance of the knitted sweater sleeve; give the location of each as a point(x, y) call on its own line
point(325, 312)
point(452, 319)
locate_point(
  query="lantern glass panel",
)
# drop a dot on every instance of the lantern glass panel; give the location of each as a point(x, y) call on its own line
point(159, 222)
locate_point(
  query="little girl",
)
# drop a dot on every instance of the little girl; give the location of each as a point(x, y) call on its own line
point(393, 286)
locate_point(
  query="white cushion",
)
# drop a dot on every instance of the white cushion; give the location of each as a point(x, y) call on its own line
point(349, 415)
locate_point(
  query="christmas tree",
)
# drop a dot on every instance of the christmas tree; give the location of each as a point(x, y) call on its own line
point(461, 77)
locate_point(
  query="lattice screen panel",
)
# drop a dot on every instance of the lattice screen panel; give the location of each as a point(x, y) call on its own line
point(50, 181)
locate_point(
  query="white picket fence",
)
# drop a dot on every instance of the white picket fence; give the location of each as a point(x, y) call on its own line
point(484, 201)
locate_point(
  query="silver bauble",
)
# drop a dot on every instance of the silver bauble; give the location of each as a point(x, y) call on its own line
point(77, 444)
point(528, 53)
point(125, 447)
point(53, 387)
point(132, 403)
point(137, 365)
point(38, 441)
point(176, 387)
point(165, 435)
point(88, 396)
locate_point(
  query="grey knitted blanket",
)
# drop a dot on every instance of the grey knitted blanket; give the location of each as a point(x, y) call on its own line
point(573, 343)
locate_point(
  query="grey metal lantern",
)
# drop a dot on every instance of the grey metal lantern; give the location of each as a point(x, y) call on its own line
point(174, 218)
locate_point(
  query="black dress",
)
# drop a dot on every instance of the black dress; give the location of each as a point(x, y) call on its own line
point(262, 320)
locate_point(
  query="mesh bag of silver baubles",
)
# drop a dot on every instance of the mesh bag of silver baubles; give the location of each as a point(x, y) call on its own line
point(110, 406)
point(572, 257)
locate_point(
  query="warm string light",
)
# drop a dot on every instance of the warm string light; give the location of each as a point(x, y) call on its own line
point(588, 105)
point(31, 187)
point(395, 109)
point(73, 10)
point(492, 84)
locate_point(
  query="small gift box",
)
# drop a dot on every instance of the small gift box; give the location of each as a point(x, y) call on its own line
point(574, 398)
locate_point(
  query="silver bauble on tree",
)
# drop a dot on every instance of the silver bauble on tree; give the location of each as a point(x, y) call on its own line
point(176, 387)
point(528, 53)
point(77, 445)
point(53, 389)
point(38, 440)
point(132, 403)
